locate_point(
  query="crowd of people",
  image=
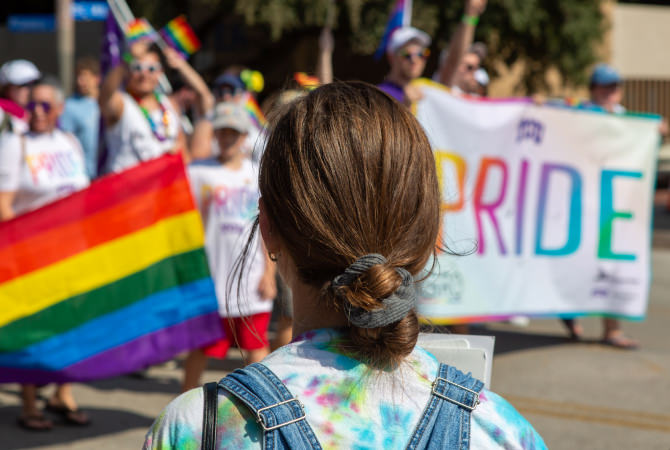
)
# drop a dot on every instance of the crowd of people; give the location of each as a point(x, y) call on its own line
point(51, 146)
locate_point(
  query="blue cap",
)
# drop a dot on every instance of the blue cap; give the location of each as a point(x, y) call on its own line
point(229, 80)
point(604, 74)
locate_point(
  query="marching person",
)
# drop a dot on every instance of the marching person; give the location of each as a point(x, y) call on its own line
point(142, 123)
point(226, 191)
point(16, 78)
point(81, 116)
point(605, 95)
point(36, 168)
point(407, 52)
point(350, 213)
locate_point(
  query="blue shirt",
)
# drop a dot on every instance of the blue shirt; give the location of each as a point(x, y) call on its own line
point(81, 117)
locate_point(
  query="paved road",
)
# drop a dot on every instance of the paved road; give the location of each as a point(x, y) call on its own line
point(578, 395)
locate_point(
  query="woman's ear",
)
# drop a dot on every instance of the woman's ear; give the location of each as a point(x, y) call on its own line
point(270, 238)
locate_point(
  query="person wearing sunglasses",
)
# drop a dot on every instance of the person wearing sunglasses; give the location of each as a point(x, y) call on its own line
point(38, 167)
point(408, 50)
point(141, 123)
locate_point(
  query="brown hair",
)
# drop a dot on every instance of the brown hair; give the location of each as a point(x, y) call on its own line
point(88, 63)
point(348, 171)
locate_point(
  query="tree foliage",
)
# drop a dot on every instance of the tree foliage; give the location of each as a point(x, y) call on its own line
point(560, 34)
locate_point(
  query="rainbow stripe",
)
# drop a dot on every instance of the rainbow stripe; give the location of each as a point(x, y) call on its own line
point(180, 36)
point(401, 16)
point(255, 113)
point(106, 281)
point(139, 29)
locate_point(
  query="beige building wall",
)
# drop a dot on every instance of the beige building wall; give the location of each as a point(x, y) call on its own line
point(641, 41)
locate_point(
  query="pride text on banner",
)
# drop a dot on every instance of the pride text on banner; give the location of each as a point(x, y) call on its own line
point(553, 204)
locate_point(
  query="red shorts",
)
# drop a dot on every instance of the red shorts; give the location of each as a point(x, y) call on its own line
point(247, 330)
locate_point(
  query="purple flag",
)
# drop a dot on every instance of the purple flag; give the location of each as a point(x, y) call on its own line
point(112, 42)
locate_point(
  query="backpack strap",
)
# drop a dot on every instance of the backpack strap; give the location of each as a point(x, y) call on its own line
point(208, 441)
point(455, 387)
point(279, 413)
point(445, 422)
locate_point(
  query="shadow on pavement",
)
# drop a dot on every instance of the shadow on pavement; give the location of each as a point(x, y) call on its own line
point(514, 341)
point(104, 421)
point(148, 383)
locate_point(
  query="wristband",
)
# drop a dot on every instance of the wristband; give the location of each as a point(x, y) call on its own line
point(470, 20)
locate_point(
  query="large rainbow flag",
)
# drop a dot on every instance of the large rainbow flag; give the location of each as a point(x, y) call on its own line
point(106, 281)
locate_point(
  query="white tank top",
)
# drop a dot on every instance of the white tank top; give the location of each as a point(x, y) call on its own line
point(131, 140)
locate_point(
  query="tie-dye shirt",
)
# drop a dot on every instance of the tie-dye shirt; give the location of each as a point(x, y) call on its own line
point(348, 405)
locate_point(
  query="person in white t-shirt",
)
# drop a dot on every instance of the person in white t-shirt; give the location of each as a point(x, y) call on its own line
point(226, 192)
point(141, 123)
point(36, 168)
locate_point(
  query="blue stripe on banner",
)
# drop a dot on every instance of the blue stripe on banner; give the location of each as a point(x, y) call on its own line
point(158, 311)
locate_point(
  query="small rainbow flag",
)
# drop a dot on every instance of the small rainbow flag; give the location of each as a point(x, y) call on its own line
point(139, 29)
point(255, 113)
point(306, 81)
point(106, 281)
point(179, 35)
point(401, 16)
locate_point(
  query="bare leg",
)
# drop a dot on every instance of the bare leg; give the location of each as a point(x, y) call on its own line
point(31, 417)
point(63, 397)
point(194, 366)
point(613, 335)
point(574, 328)
point(257, 355)
point(284, 333)
point(29, 397)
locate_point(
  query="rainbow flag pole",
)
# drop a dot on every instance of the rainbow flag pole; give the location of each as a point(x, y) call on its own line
point(106, 281)
point(401, 16)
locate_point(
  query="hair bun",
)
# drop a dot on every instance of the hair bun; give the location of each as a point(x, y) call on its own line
point(374, 293)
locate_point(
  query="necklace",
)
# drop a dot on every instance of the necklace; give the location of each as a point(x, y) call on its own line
point(166, 119)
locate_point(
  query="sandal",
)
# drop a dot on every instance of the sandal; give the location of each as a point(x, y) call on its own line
point(35, 422)
point(575, 329)
point(621, 342)
point(71, 416)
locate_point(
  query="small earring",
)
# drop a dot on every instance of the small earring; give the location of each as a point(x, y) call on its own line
point(273, 256)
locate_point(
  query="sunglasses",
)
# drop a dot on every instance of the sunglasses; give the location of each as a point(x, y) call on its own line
point(423, 54)
point(138, 67)
point(32, 106)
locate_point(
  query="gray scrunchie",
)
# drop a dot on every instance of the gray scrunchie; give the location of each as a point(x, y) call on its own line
point(394, 307)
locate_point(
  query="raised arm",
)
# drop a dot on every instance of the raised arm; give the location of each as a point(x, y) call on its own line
point(110, 99)
point(461, 40)
point(192, 79)
point(324, 65)
point(201, 140)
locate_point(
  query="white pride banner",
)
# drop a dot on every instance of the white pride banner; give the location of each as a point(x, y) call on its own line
point(553, 204)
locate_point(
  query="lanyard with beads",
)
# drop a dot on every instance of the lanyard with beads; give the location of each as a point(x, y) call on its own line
point(152, 124)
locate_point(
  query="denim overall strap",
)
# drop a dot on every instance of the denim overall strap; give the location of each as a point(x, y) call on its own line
point(445, 423)
point(278, 412)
